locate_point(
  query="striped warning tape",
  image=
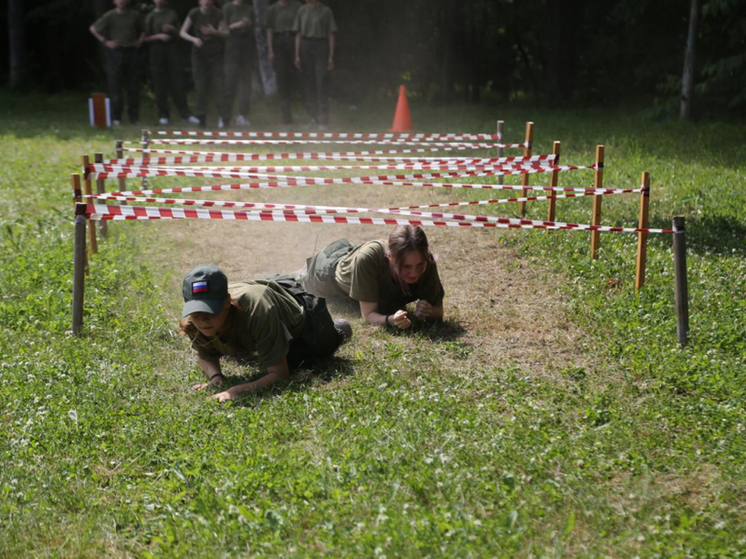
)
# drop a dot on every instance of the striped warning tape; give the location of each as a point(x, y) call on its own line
point(332, 135)
point(206, 157)
point(244, 142)
point(292, 155)
point(100, 172)
point(336, 209)
point(301, 181)
point(108, 167)
point(103, 212)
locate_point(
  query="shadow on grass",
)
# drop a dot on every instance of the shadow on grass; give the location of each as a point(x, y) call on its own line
point(438, 331)
point(717, 235)
point(325, 370)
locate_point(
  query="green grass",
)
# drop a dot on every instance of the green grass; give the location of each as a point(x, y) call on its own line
point(393, 451)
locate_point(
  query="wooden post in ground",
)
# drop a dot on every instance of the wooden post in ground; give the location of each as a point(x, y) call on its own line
point(682, 289)
point(553, 180)
point(500, 149)
point(526, 153)
point(100, 189)
point(598, 182)
point(87, 190)
point(121, 181)
point(79, 266)
point(78, 199)
point(145, 142)
point(642, 236)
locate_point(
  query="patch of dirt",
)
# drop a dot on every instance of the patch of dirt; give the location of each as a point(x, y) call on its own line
point(509, 312)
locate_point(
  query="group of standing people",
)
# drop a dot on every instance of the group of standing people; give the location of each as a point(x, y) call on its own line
point(299, 38)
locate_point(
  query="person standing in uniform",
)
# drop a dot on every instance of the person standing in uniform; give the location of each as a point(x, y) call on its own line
point(278, 21)
point(272, 318)
point(121, 31)
point(240, 53)
point(314, 55)
point(208, 32)
point(161, 30)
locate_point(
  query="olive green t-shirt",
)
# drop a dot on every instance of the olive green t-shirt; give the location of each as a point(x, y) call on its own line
point(156, 19)
point(124, 27)
point(315, 23)
point(266, 322)
point(236, 12)
point(213, 17)
point(365, 275)
point(279, 18)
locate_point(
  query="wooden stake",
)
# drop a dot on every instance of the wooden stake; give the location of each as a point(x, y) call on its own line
point(87, 190)
point(122, 182)
point(500, 149)
point(100, 189)
point(642, 236)
point(75, 183)
point(526, 153)
point(79, 266)
point(682, 289)
point(78, 199)
point(145, 142)
point(598, 182)
point(553, 180)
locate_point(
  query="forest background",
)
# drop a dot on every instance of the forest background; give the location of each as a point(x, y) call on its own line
point(551, 52)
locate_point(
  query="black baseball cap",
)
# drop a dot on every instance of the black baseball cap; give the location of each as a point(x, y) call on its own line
point(204, 289)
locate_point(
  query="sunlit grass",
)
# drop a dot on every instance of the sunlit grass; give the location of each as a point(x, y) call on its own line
point(399, 448)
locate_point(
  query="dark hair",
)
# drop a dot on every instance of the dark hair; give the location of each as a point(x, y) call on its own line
point(404, 239)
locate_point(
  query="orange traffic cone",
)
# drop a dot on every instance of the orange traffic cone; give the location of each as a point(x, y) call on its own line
point(402, 120)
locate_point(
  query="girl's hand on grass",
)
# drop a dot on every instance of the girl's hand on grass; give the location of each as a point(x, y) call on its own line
point(400, 320)
point(217, 381)
point(423, 310)
point(223, 396)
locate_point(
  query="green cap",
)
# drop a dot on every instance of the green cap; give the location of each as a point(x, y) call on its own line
point(204, 289)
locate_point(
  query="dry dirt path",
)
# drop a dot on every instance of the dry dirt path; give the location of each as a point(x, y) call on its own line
point(508, 312)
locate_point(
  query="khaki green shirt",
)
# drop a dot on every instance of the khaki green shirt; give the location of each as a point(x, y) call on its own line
point(236, 12)
point(266, 322)
point(365, 275)
point(213, 17)
point(124, 27)
point(155, 21)
point(315, 23)
point(279, 18)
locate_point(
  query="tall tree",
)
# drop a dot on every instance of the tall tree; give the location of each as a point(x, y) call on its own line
point(687, 85)
point(17, 38)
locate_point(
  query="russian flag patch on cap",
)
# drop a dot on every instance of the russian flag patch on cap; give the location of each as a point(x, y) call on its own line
point(199, 287)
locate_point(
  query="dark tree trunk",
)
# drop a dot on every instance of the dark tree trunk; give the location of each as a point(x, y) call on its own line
point(560, 48)
point(448, 44)
point(687, 81)
point(266, 71)
point(17, 39)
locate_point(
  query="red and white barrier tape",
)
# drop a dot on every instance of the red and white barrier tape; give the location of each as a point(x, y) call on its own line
point(311, 182)
point(98, 172)
point(333, 209)
point(293, 155)
point(227, 142)
point(207, 157)
point(332, 135)
point(487, 168)
point(104, 212)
